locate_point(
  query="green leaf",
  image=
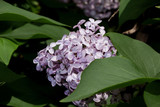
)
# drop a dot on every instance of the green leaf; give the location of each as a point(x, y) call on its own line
point(7, 47)
point(132, 9)
point(71, 105)
point(29, 31)
point(27, 90)
point(5, 27)
point(36, 93)
point(140, 65)
point(157, 7)
point(56, 32)
point(2, 83)
point(92, 105)
point(142, 55)
point(51, 105)
point(5, 95)
point(15, 102)
point(12, 13)
point(6, 75)
point(152, 21)
point(152, 94)
point(104, 75)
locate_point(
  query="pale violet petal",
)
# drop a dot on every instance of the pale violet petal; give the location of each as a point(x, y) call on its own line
point(105, 96)
point(98, 55)
point(102, 31)
point(53, 44)
point(70, 55)
point(61, 47)
point(82, 31)
point(92, 20)
point(108, 54)
point(105, 48)
point(51, 51)
point(58, 78)
point(54, 58)
point(97, 22)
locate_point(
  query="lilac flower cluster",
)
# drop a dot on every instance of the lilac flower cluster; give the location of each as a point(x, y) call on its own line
point(75, 52)
point(98, 9)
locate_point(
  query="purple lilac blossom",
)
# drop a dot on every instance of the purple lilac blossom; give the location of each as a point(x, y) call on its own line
point(75, 52)
point(98, 9)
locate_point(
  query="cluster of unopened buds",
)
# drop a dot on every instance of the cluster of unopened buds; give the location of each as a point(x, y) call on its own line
point(98, 9)
point(75, 52)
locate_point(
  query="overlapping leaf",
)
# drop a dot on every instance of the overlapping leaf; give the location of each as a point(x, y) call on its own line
point(140, 65)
